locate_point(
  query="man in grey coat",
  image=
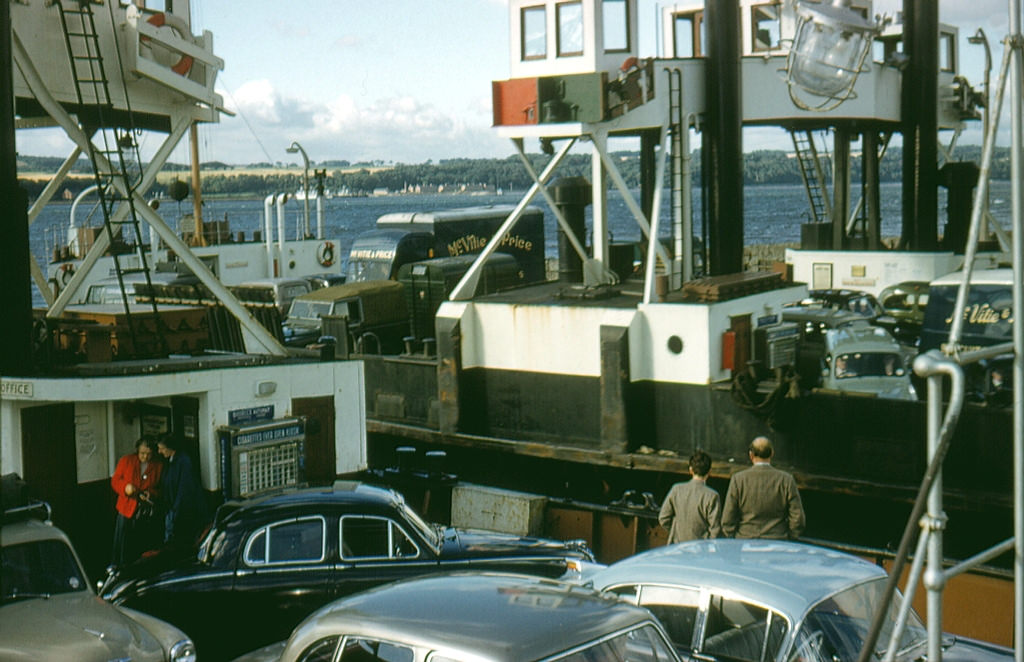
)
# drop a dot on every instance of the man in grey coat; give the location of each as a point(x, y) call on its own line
point(692, 509)
point(762, 501)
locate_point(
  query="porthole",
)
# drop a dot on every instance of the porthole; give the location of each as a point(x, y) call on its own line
point(675, 344)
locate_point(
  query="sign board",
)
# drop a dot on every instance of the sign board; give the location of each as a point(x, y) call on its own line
point(262, 457)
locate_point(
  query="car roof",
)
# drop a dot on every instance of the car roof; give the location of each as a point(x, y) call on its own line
point(31, 530)
point(475, 615)
point(788, 576)
point(270, 282)
point(340, 493)
point(978, 277)
point(861, 336)
point(838, 294)
point(345, 290)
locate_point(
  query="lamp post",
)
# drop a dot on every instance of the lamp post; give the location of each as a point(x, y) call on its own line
point(293, 149)
point(976, 39)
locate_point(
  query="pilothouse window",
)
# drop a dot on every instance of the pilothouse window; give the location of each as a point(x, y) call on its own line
point(570, 28)
point(764, 20)
point(534, 33)
point(686, 29)
point(615, 25)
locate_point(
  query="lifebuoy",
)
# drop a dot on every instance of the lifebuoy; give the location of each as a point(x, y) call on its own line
point(67, 270)
point(325, 254)
point(159, 20)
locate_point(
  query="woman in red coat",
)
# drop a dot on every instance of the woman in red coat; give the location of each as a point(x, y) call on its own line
point(134, 481)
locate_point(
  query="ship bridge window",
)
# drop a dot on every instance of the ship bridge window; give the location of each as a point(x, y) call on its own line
point(615, 26)
point(534, 33)
point(764, 21)
point(569, 16)
point(947, 52)
point(687, 34)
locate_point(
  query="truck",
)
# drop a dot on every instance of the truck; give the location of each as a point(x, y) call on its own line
point(401, 238)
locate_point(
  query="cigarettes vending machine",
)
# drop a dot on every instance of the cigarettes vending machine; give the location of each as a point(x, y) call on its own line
point(262, 457)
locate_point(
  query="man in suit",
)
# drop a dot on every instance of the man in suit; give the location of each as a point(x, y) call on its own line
point(692, 510)
point(182, 496)
point(762, 501)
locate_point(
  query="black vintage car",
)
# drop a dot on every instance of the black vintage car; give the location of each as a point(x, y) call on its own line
point(268, 562)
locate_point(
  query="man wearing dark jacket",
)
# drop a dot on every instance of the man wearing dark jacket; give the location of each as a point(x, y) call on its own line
point(762, 501)
point(182, 496)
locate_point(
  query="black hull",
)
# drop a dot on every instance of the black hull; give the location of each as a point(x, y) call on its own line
point(859, 460)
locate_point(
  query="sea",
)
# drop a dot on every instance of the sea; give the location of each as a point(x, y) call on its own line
point(773, 215)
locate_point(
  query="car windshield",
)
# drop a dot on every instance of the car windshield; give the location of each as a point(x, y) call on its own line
point(40, 569)
point(360, 270)
point(428, 532)
point(869, 364)
point(640, 644)
point(310, 310)
point(835, 628)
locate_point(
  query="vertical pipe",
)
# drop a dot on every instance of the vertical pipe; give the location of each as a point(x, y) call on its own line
point(920, 125)
point(840, 188)
point(15, 252)
point(197, 196)
point(1017, 207)
point(932, 522)
point(281, 199)
point(320, 213)
point(725, 134)
point(268, 232)
point(871, 190)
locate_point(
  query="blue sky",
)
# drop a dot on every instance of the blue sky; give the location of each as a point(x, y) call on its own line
point(401, 80)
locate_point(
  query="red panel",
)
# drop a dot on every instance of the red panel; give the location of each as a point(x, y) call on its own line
point(515, 101)
point(729, 350)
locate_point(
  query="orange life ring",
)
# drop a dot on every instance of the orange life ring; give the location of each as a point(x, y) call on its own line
point(325, 254)
point(159, 20)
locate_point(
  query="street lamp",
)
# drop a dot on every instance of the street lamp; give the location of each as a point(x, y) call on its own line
point(828, 51)
point(297, 148)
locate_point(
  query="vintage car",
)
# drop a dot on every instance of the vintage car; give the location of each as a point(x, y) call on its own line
point(268, 562)
point(475, 617)
point(763, 600)
point(906, 302)
point(48, 610)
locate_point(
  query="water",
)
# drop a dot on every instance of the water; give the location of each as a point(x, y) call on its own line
point(773, 214)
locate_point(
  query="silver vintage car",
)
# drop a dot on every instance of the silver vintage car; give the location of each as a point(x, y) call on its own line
point(767, 600)
point(48, 611)
point(475, 617)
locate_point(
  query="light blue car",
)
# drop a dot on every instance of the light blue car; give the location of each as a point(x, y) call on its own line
point(763, 600)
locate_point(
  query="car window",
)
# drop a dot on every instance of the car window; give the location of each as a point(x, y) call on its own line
point(675, 608)
point(44, 567)
point(364, 537)
point(361, 649)
point(835, 627)
point(292, 541)
point(739, 630)
point(640, 644)
point(321, 650)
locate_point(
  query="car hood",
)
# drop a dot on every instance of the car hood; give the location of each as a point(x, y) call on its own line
point(73, 626)
point(484, 544)
point(962, 649)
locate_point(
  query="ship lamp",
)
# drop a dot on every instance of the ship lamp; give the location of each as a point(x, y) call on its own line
point(831, 42)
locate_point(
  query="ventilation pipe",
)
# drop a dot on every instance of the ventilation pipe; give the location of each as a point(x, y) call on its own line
point(268, 232)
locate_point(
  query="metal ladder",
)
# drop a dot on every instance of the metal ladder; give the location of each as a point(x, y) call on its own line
point(117, 175)
point(677, 128)
point(813, 176)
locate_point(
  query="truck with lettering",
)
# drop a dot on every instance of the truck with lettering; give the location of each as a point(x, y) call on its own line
point(987, 320)
point(401, 238)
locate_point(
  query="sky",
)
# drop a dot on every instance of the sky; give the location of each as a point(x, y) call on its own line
point(402, 81)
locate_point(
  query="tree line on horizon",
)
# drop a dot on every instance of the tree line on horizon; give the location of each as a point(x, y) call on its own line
point(760, 167)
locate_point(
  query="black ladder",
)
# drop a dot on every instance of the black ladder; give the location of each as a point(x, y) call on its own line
point(120, 164)
point(813, 176)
